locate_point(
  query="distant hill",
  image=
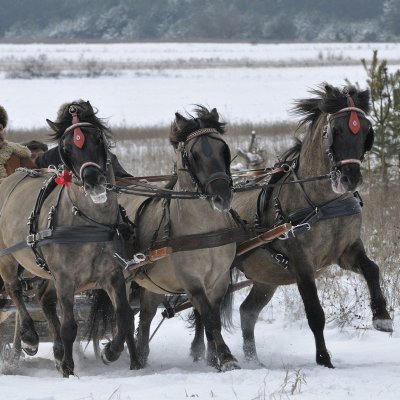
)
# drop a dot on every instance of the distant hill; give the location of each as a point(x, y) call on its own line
point(216, 20)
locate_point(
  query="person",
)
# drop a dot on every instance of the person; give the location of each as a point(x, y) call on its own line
point(36, 147)
point(12, 155)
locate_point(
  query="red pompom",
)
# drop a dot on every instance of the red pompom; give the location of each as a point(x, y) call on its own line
point(64, 178)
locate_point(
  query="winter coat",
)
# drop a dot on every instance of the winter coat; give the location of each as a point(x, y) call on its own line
point(13, 156)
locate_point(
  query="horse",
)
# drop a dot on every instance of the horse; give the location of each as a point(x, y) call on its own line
point(202, 165)
point(326, 212)
point(73, 232)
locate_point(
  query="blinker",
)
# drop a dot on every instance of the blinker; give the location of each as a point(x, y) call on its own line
point(354, 122)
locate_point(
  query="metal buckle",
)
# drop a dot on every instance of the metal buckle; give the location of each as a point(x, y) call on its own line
point(281, 259)
point(294, 231)
point(136, 259)
point(31, 239)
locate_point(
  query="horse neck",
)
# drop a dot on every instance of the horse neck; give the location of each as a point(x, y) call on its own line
point(313, 161)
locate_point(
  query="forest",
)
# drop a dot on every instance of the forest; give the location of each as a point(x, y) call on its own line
point(201, 20)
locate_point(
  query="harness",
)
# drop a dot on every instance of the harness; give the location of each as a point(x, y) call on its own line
point(92, 233)
point(303, 218)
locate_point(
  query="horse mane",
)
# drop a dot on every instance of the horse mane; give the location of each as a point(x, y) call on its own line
point(182, 127)
point(86, 113)
point(329, 99)
point(291, 153)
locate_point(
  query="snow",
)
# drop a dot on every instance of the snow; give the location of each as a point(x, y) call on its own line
point(148, 97)
point(145, 52)
point(367, 367)
point(367, 362)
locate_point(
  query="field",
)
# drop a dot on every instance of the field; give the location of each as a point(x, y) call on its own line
point(139, 87)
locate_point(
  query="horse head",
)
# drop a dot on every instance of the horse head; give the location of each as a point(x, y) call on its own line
point(83, 146)
point(205, 156)
point(347, 134)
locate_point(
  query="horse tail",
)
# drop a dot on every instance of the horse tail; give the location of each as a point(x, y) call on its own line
point(226, 305)
point(101, 317)
point(227, 301)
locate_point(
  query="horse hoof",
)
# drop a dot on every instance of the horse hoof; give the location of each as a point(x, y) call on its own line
point(230, 366)
point(324, 360)
point(135, 365)
point(104, 358)
point(30, 350)
point(66, 371)
point(108, 356)
point(383, 325)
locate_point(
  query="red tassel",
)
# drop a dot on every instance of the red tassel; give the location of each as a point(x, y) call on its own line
point(64, 179)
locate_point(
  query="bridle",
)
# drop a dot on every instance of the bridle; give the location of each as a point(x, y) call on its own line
point(187, 160)
point(354, 114)
point(78, 141)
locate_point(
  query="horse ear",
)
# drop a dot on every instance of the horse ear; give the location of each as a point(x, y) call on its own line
point(89, 106)
point(180, 120)
point(52, 125)
point(179, 117)
point(215, 114)
point(328, 88)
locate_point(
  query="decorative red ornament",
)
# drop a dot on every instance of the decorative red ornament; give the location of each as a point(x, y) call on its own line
point(79, 137)
point(354, 122)
point(64, 178)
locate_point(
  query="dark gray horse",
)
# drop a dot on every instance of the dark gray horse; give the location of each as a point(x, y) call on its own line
point(73, 233)
point(203, 160)
point(327, 212)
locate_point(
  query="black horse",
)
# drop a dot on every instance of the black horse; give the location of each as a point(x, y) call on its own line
point(327, 214)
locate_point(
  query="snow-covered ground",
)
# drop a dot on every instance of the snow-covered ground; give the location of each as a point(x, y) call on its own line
point(367, 362)
point(147, 97)
point(154, 52)
point(367, 367)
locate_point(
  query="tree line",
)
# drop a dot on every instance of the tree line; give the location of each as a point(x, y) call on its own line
point(247, 20)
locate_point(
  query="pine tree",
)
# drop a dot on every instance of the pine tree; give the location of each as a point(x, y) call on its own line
point(385, 97)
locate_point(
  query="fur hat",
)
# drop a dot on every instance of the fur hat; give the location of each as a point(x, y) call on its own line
point(35, 145)
point(3, 116)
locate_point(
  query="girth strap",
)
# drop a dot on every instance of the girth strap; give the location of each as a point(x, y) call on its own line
point(64, 235)
point(203, 240)
point(339, 207)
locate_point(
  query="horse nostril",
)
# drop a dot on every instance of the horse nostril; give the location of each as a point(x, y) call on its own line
point(218, 199)
point(345, 179)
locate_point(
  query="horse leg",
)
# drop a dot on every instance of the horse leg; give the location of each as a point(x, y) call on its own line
point(256, 300)
point(29, 336)
point(211, 316)
point(197, 348)
point(116, 290)
point(48, 301)
point(69, 327)
point(148, 308)
point(356, 259)
point(315, 316)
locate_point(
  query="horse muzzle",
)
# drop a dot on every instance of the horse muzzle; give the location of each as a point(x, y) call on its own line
point(221, 195)
point(94, 182)
point(347, 179)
